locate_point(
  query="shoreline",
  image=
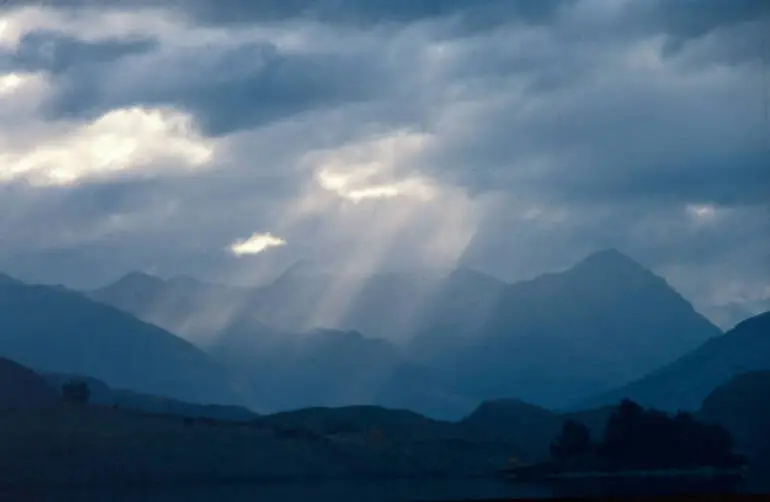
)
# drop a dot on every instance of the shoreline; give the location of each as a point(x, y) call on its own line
point(699, 473)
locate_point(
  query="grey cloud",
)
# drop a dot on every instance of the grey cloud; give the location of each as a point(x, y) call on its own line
point(697, 257)
point(552, 122)
point(244, 87)
point(476, 13)
point(56, 53)
point(611, 137)
point(694, 18)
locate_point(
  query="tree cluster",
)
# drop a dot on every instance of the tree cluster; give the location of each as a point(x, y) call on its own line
point(638, 438)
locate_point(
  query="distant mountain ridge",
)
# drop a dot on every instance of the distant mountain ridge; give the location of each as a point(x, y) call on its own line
point(551, 341)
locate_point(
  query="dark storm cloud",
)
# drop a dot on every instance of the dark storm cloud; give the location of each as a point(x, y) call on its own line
point(611, 133)
point(737, 179)
point(238, 88)
point(694, 18)
point(57, 53)
point(473, 15)
point(476, 12)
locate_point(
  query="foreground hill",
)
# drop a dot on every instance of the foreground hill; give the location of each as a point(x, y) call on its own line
point(55, 330)
point(741, 406)
point(104, 445)
point(511, 428)
point(22, 388)
point(685, 383)
point(102, 394)
point(528, 428)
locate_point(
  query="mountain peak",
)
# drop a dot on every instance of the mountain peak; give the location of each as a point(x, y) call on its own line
point(611, 260)
point(136, 279)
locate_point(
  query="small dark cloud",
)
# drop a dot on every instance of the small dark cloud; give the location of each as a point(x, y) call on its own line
point(695, 18)
point(57, 53)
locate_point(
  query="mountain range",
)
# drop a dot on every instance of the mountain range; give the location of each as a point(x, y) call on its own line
point(438, 345)
point(550, 341)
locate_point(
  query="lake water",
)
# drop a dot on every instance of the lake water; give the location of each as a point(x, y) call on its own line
point(374, 491)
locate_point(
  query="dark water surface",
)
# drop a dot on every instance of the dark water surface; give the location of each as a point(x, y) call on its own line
point(373, 491)
point(320, 491)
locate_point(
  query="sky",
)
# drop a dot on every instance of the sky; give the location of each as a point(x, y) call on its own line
point(227, 139)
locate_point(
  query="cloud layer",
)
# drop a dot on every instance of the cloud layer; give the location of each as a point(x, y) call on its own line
point(510, 136)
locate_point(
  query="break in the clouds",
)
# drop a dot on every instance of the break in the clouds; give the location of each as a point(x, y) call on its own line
point(513, 136)
point(256, 244)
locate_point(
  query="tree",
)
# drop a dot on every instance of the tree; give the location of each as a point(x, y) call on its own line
point(76, 392)
point(639, 438)
point(573, 444)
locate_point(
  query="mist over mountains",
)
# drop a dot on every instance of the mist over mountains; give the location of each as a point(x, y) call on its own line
point(315, 339)
point(604, 329)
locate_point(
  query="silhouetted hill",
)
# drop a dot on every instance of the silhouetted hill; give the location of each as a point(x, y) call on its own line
point(565, 335)
point(107, 446)
point(742, 407)
point(55, 330)
point(528, 428)
point(404, 424)
point(102, 394)
point(685, 383)
point(22, 388)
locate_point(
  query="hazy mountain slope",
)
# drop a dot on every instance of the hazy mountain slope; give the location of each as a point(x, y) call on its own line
point(686, 382)
point(55, 330)
point(22, 388)
point(551, 341)
point(329, 368)
point(286, 369)
point(387, 305)
point(568, 335)
point(182, 305)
